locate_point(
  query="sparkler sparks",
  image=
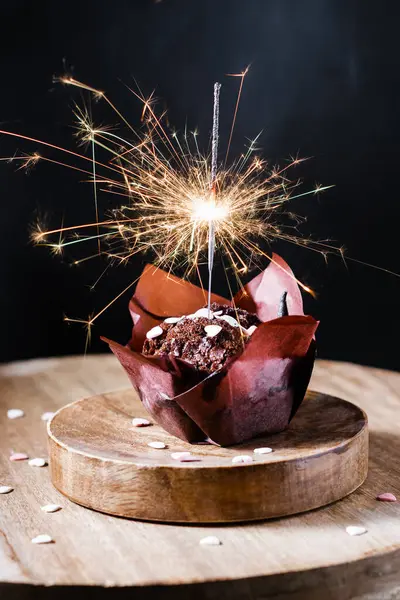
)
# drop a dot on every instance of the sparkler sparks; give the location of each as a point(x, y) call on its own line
point(167, 209)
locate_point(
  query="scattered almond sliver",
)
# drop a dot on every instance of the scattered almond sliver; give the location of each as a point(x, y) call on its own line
point(43, 538)
point(6, 489)
point(15, 456)
point(139, 422)
point(51, 508)
point(15, 413)
point(37, 462)
point(184, 457)
point(262, 450)
point(242, 459)
point(210, 540)
point(387, 497)
point(229, 320)
point(212, 330)
point(355, 530)
point(203, 312)
point(172, 320)
point(157, 445)
point(179, 455)
point(154, 332)
point(46, 416)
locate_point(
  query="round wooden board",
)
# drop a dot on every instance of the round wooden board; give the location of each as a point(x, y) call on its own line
point(99, 460)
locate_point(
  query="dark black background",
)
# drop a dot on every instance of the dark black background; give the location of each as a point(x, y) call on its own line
point(325, 80)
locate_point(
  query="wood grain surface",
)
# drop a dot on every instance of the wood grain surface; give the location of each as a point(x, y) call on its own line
point(100, 461)
point(304, 557)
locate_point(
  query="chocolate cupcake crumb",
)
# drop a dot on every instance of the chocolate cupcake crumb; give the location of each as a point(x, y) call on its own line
point(207, 344)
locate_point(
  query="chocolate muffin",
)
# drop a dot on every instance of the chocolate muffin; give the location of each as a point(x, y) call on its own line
point(245, 318)
point(206, 344)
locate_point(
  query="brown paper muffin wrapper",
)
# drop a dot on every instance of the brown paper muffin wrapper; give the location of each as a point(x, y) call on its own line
point(257, 392)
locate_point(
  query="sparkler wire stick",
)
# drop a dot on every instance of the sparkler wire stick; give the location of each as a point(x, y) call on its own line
point(214, 160)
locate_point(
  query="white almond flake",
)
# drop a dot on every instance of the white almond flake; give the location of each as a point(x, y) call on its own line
point(229, 320)
point(139, 422)
point(210, 540)
point(164, 396)
point(218, 313)
point(242, 459)
point(203, 312)
point(37, 462)
point(262, 450)
point(6, 489)
point(212, 330)
point(172, 320)
point(15, 413)
point(154, 332)
point(51, 508)
point(47, 416)
point(43, 538)
point(355, 530)
point(251, 329)
point(180, 455)
point(157, 445)
point(184, 457)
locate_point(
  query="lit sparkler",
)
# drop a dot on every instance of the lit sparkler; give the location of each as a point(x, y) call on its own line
point(163, 184)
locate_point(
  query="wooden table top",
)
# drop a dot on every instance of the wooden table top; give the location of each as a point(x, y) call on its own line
point(309, 556)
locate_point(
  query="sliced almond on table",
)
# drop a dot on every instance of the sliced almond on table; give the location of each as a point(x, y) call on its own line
point(15, 413)
point(355, 530)
point(37, 462)
point(157, 445)
point(51, 508)
point(179, 455)
point(264, 450)
point(210, 540)
point(6, 489)
point(43, 538)
point(46, 416)
point(139, 422)
point(242, 459)
point(184, 457)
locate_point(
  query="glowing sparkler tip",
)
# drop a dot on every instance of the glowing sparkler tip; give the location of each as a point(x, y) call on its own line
point(206, 210)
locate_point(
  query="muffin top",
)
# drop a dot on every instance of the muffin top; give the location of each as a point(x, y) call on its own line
point(205, 343)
